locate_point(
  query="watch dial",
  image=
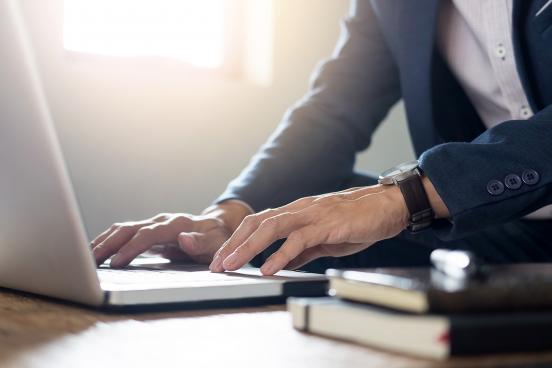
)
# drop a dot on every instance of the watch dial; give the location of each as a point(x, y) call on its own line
point(399, 169)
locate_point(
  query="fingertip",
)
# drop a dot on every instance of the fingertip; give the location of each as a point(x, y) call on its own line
point(268, 268)
point(217, 269)
point(97, 254)
point(118, 261)
point(230, 263)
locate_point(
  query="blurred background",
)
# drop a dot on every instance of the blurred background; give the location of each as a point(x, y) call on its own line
point(159, 103)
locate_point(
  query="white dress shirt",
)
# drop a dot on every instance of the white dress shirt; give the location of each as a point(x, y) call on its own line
point(475, 39)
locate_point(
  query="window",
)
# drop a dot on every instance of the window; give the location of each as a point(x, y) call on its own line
point(190, 31)
point(230, 34)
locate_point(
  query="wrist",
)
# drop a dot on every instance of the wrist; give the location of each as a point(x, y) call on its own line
point(398, 205)
point(229, 212)
point(439, 207)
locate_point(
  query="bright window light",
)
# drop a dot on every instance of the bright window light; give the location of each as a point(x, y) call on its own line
point(186, 30)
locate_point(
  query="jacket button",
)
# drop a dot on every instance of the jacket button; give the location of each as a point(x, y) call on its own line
point(495, 187)
point(530, 177)
point(512, 181)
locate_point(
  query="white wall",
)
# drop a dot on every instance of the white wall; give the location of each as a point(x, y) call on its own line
point(145, 138)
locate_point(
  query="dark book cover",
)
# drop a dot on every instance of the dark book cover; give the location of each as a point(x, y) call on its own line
point(436, 335)
point(501, 287)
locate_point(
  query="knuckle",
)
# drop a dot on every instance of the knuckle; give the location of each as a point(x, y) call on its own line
point(326, 197)
point(306, 200)
point(267, 212)
point(126, 227)
point(145, 231)
point(120, 229)
point(271, 227)
point(115, 226)
point(269, 223)
point(329, 199)
point(250, 220)
point(160, 227)
point(161, 216)
point(320, 198)
point(180, 221)
point(285, 215)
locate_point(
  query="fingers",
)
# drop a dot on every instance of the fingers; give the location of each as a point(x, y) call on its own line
point(234, 255)
point(251, 223)
point(119, 235)
point(100, 238)
point(258, 231)
point(108, 243)
point(148, 236)
point(247, 227)
point(296, 243)
point(194, 245)
point(268, 232)
point(195, 237)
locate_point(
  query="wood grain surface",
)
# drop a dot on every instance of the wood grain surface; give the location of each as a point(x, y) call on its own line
point(36, 332)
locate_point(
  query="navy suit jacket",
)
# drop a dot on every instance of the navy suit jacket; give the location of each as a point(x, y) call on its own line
point(387, 52)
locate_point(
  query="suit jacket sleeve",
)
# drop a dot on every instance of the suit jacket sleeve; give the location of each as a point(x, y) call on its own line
point(461, 173)
point(314, 147)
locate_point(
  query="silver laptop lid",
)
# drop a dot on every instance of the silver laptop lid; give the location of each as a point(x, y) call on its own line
point(43, 246)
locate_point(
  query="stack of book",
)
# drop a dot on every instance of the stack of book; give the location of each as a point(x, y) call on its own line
point(422, 312)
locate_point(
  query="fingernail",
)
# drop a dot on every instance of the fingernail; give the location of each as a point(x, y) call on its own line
point(230, 261)
point(267, 268)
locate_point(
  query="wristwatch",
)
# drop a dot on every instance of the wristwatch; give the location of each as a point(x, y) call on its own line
point(408, 177)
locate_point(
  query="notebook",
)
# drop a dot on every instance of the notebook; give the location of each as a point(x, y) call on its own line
point(435, 336)
point(422, 290)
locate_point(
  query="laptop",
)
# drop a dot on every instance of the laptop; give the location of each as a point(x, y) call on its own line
point(43, 244)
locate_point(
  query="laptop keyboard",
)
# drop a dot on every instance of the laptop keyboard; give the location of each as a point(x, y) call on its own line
point(159, 276)
point(153, 277)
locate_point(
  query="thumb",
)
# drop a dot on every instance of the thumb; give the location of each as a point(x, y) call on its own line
point(195, 245)
point(190, 243)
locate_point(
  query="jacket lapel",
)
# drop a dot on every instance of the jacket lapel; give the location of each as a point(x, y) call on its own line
point(416, 46)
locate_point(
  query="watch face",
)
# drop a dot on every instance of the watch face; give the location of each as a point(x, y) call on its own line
point(399, 169)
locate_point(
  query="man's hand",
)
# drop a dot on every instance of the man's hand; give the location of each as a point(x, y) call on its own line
point(334, 224)
point(175, 236)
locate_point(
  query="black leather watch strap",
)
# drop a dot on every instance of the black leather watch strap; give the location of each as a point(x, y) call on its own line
point(421, 213)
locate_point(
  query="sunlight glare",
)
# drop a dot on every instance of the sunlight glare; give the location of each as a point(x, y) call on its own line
point(190, 31)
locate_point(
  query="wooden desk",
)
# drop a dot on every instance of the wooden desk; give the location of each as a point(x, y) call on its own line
point(35, 332)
